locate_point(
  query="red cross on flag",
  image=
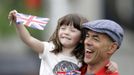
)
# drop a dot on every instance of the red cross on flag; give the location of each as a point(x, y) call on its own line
point(31, 21)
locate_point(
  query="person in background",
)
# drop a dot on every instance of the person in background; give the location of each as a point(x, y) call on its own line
point(103, 38)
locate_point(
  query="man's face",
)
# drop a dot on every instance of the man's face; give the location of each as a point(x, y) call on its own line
point(96, 47)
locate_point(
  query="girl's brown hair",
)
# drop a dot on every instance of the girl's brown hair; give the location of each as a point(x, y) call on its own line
point(70, 19)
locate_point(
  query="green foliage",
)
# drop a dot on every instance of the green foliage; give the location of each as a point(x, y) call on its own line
point(5, 7)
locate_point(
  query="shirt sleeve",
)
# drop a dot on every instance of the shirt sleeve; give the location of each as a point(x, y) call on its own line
point(48, 46)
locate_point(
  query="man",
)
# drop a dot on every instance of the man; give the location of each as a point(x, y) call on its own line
point(103, 38)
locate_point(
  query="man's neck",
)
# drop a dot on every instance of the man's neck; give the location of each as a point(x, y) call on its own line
point(96, 67)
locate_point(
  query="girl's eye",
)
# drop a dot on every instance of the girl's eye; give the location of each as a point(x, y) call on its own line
point(72, 30)
point(63, 27)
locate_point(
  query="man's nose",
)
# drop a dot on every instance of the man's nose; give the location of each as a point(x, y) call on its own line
point(88, 41)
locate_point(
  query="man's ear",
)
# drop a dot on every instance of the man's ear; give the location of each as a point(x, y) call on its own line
point(113, 48)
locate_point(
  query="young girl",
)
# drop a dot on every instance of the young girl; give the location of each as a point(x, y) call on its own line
point(63, 53)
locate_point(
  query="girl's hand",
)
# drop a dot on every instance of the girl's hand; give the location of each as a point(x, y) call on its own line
point(112, 67)
point(12, 16)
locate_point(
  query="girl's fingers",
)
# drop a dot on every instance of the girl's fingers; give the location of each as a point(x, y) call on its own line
point(112, 67)
point(12, 16)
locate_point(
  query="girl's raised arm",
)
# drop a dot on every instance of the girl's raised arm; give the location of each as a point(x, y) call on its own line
point(25, 36)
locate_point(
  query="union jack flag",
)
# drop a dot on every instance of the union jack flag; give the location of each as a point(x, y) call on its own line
point(31, 21)
point(74, 72)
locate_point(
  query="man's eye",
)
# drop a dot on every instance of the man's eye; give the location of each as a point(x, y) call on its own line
point(87, 35)
point(96, 39)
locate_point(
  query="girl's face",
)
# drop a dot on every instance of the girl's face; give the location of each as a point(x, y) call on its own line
point(69, 36)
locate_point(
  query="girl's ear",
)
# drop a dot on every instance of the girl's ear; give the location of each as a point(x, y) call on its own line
point(113, 48)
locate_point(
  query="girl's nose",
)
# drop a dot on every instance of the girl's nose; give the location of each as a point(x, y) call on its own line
point(67, 31)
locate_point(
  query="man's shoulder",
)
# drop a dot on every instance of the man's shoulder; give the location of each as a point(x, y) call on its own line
point(115, 73)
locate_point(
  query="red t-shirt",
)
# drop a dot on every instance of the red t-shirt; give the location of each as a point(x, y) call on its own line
point(102, 71)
